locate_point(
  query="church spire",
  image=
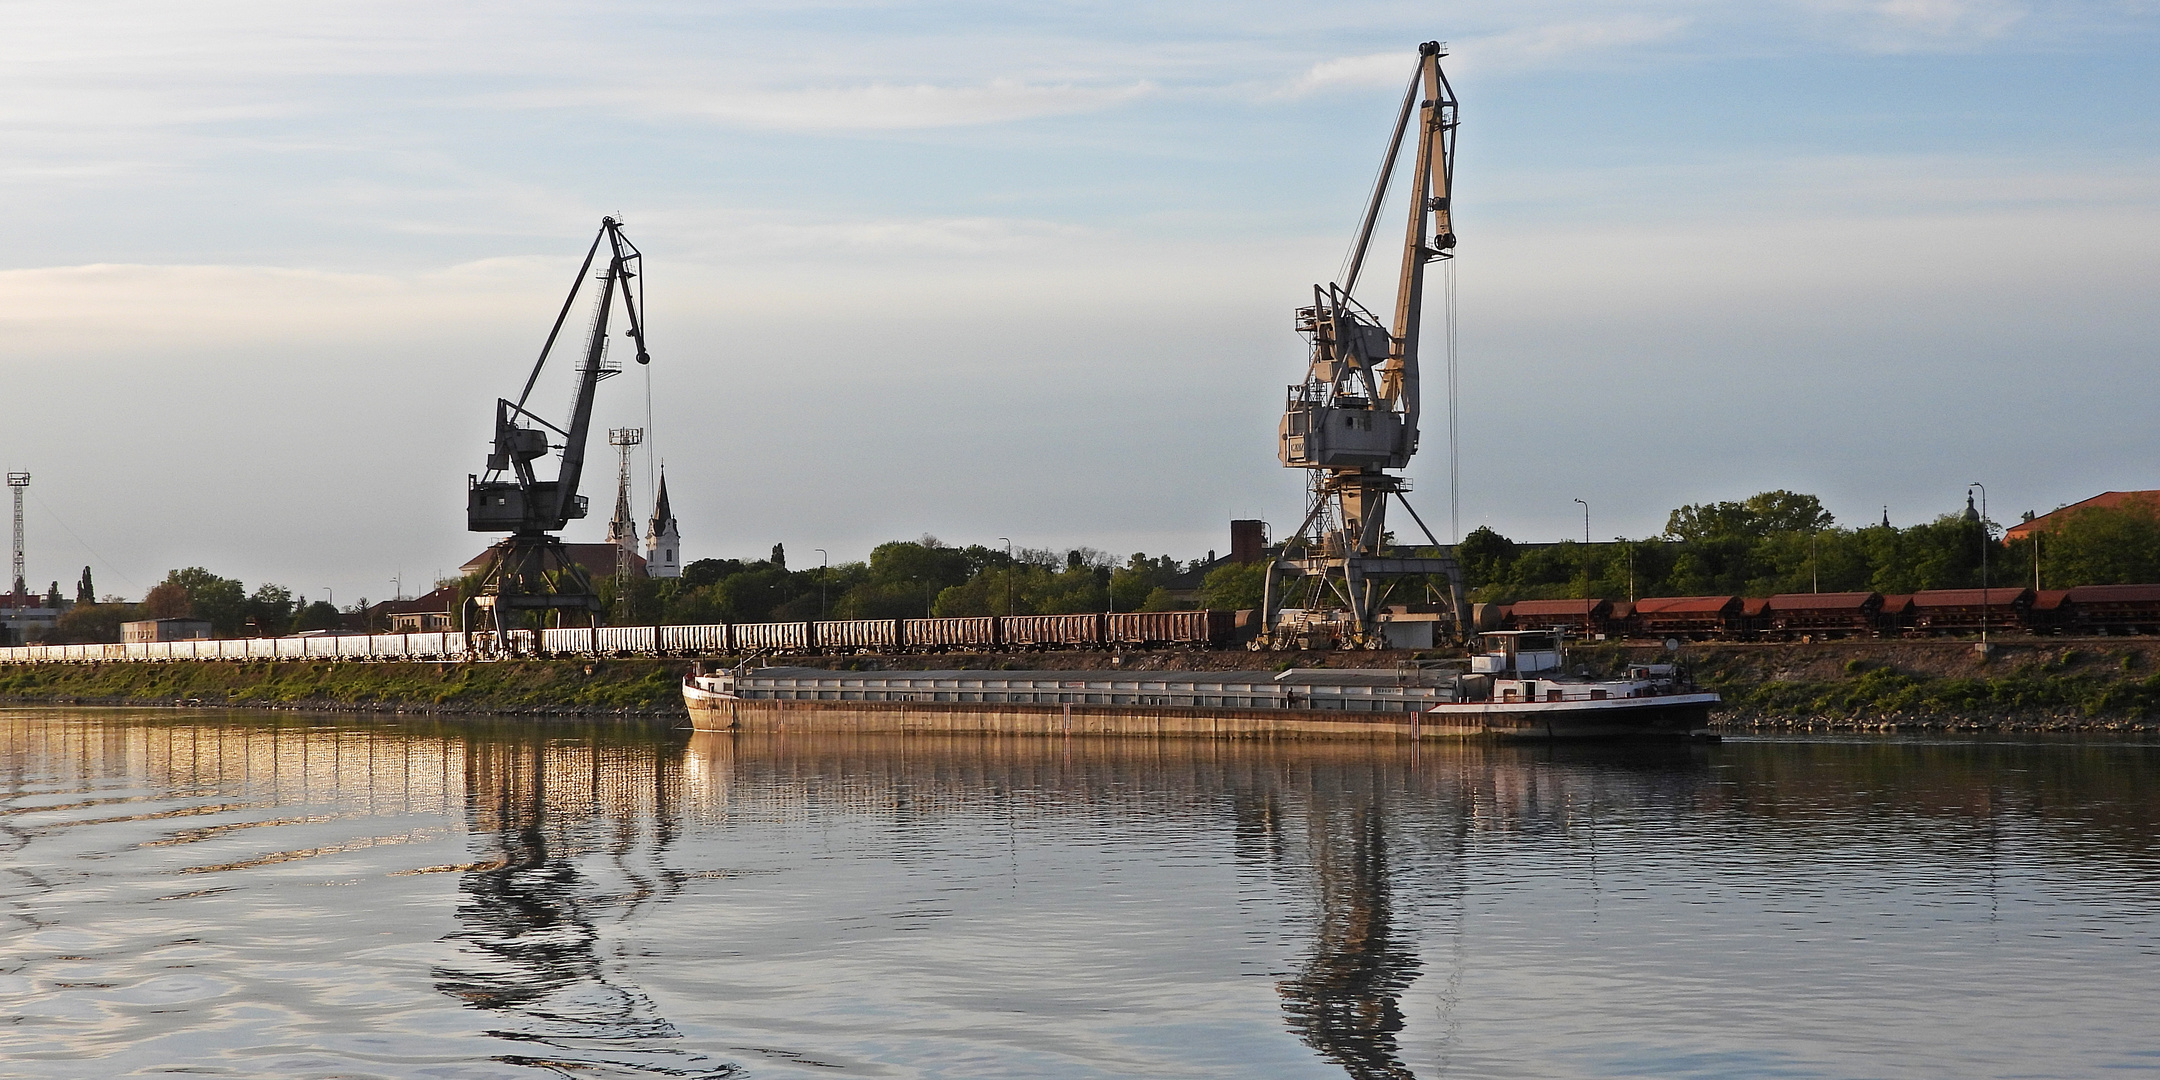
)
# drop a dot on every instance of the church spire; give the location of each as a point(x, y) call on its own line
point(663, 541)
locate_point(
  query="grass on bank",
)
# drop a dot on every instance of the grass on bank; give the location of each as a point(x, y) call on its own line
point(507, 685)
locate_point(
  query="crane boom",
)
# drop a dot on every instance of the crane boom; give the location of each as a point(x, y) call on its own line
point(522, 503)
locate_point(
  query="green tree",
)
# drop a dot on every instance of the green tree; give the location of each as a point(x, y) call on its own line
point(92, 623)
point(320, 615)
point(85, 592)
point(1753, 518)
point(270, 609)
point(2102, 545)
point(166, 600)
point(1234, 586)
point(1485, 557)
point(222, 601)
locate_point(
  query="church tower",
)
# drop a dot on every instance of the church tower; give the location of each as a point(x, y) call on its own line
point(663, 542)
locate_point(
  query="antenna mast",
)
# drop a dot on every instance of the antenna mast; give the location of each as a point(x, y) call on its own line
point(17, 481)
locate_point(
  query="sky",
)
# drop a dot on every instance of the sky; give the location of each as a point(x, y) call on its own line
point(1027, 271)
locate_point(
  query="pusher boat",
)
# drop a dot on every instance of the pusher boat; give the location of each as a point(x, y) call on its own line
point(1519, 687)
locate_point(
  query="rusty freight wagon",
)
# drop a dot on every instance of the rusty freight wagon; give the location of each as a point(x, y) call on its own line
point(1687, 616)
point(1050, 631)
point(2050, 612)
point(857, 635)
point(966, 634)
point(1895, 615)
point(1826, 614)
point(1954, 611)
point(776, 637)
point(1586, 618)
point(1194, 628)
point(2115, 609)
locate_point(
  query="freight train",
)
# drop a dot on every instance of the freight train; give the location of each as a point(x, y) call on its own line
point(2086, 610)
point(1017, 633)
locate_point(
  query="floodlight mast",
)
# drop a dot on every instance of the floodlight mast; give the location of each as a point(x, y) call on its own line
point(530, 570)
point(1356, 413)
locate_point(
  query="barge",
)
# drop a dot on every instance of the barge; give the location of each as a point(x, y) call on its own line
point(1517, 690)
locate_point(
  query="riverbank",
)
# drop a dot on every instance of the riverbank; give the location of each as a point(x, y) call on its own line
point(2026, 684)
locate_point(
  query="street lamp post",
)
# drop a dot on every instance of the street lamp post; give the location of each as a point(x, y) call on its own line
point(1585, 521)
point(822, 560)
point(1985, 539)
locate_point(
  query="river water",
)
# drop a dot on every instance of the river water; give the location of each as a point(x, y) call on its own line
point(235, 894)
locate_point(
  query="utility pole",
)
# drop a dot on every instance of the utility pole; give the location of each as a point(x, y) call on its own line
point(1008, 574)
point(17, 481)
point(1985, 542)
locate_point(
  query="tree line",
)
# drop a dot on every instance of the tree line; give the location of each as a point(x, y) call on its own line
point(909, 579)
point(1783, 542)
point(232, 610)
point(1773, 542)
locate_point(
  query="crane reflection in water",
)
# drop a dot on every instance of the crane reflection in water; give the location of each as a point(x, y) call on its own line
point(1346, 1000)
point(529, 948)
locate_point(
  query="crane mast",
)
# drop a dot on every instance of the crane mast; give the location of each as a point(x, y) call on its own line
point(1355, 414)
point(530, 571)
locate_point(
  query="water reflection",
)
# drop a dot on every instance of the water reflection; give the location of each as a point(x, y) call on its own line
point(640, 903)
point(530, 944)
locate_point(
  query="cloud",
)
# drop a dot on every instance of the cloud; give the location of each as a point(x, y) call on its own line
point(888, 107)
point(1537, 45)
point(1896, 26)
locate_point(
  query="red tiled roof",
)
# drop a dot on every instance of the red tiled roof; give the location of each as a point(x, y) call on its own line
point(2108, 499)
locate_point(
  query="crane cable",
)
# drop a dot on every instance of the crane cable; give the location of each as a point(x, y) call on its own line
point(1454, 442)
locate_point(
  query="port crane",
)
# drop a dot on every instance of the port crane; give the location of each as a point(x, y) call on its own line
point(1355, 415)
point(530, 571)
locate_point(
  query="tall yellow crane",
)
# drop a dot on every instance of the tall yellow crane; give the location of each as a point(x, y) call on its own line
point(1355, 415)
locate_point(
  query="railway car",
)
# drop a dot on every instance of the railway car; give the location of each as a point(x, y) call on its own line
point(1826, 614)
point(2114, 609)
point(770, 637)
point(1189, 628)
point(1691, 617)
point(1587, 618)
point(1958, 611)
point(856, 635)
point(2049, 613)
point(1896, 614)
point(965, 634)
point(1051, 631)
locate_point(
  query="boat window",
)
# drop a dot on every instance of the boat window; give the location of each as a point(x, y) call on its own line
point(1535, 643)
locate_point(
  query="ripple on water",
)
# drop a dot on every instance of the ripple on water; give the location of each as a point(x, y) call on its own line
point(253, 896)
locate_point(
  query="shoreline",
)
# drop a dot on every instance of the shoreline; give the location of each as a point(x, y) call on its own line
point(2041, 684)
